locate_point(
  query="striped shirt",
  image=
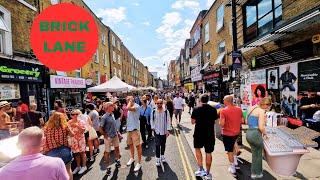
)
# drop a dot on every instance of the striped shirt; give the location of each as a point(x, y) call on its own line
point(159, 122)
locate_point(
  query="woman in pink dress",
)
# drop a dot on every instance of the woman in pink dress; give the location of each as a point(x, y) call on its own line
point(78, 142)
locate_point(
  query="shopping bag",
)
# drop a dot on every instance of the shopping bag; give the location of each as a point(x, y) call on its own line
point(92, 134)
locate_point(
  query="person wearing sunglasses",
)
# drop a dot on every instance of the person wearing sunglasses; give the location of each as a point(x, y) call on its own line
point(256, 120)
point(78, 142)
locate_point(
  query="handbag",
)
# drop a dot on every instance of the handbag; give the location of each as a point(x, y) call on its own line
point(92, 133)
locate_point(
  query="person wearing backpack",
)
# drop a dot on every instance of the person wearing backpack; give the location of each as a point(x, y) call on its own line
point(160, 124)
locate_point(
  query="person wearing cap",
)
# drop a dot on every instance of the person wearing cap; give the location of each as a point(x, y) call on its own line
point(32, 164)
point(5, 123)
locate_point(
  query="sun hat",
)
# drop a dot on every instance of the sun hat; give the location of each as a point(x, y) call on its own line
point(4, 103)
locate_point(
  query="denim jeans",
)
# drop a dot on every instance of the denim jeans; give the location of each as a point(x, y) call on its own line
point(255, 141)
point(62, 152)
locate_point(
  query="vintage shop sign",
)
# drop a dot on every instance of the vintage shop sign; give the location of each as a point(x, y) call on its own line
point(64, 37)
point(66, 82)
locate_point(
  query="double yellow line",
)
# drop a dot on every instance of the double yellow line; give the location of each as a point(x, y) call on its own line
point(185, 160)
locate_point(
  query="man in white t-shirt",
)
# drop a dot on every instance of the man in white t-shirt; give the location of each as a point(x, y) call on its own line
point(178, 103)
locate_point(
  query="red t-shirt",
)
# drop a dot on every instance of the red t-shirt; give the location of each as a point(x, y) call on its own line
point(233, 120)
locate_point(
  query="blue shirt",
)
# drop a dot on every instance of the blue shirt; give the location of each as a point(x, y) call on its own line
point(147, 114)
point(133, 121)
point(108, 123)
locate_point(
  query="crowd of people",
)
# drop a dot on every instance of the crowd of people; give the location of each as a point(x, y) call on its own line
point(144, 118)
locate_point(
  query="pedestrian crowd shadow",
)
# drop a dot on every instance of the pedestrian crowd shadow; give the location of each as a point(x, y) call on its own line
point(245, 171)
point(165, 172)
point(134, 175)
point(103, 165)
point(150, 152)
point(184, 128)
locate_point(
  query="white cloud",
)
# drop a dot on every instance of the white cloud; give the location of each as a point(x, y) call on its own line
point(173, 31)
point(146, 23)
point(181, 4)
point(112, 15)
point(128, 24)
point(136, 4)
point(210, 2)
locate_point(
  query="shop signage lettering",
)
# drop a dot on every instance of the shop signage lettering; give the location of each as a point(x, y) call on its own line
point(34, 72)
point(66, 82)
point(309, 76)
point(211, 76)
point(316, 38)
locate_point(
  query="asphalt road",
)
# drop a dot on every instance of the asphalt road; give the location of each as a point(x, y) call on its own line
point(180, 164)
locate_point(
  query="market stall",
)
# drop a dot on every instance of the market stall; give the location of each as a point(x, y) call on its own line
point(113, 85)
point(284, 148)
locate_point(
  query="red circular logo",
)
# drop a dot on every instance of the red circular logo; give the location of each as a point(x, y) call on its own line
point(64, 37)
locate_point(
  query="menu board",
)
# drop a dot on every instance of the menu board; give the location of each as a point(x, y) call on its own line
point(9, 91)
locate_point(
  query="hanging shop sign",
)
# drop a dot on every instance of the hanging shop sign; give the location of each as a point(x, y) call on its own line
point(215, 75)
point(66, 82)
point(195, 74)
point(236, 60)
point(316, 39)
point(9, 91)
point(19, 71)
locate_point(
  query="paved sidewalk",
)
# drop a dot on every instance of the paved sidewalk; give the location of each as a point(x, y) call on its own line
point(308, 167)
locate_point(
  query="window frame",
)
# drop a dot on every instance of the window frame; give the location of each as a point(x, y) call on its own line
point(221, 42)
point(207, 32)
point(105, 62)
point(114, 71)
point(119, 59)
point(96, 57)
point(98, 77)
point(218, 28)
point(114, 56)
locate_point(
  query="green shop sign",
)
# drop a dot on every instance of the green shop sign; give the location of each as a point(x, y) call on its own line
point(15, 70)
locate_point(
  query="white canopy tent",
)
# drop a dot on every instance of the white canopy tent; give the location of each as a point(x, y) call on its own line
point(113, 85)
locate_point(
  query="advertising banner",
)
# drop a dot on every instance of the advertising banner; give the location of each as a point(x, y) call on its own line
point(195, 74)
point(9, 91)
point(258, 86)
point(309, 76)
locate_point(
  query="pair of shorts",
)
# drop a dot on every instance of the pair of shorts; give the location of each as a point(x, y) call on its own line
point(62, 152)
point(208, 145)
point(133, 137)
point(111, 142)
point(178, 112)
point(229, 142)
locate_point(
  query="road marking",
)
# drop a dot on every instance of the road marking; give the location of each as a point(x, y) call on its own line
point(187, 159)
point(182, 158)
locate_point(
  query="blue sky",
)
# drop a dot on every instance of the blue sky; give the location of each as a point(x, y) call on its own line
point(153, 30)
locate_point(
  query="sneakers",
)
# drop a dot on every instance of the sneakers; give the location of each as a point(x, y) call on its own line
point(108, 171)
point(76, 170)
point(158, 162)
point(235, 162)
point(137, 167)
point(208, 176)
point(254, 176)
point(118, 164)
point(200, 172)
point(130, 162)
point(163, 159)
point(232, 170)
point(95, 151)
point(91, 159)
point(82, 170)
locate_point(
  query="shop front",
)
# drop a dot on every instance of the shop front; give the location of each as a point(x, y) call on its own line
point(23, 81)
point(69, 89)
point(212, 81)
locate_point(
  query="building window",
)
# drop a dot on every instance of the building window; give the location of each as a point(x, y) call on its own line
point(103, 39)
point(222, 47)
point(5, 31)
point(261, 17)
point(208, 55)
point(118, 44)
point(119, 59)
point(114, 56)
point(196, 36)
point(114, 71)
point(78, 73)
point(55, 2)
point(119, 72)
point(96, 57)
point(105, 62)
point(220, 12)
point(98, 77)
point(206, 33)
point(113, 41)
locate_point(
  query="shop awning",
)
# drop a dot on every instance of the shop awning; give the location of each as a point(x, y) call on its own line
point(220, 58)
point(113, 85)
point(298, 23)
point(3, 25)
point(205, 65)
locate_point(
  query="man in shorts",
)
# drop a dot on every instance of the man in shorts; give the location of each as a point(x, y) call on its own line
point(204, 117)
point(133, 136)
point(231, 119)
point(109, 130)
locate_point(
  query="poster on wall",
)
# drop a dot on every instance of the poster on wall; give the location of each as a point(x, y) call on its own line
point(273, 78)
point(258, 86)
point(9, 91)
point(288, 86)
point(309, 76)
